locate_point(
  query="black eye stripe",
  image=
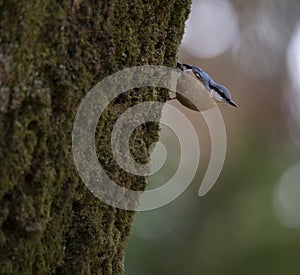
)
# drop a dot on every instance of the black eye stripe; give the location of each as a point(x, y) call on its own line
point(221, 93)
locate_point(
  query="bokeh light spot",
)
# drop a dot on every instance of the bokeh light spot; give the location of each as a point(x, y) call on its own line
point(286, 197)
point(293, 61)
point(211, 29)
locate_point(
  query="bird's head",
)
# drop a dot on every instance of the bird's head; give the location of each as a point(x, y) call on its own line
point(221, 93)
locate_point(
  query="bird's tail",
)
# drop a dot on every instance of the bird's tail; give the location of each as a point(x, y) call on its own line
point(179, 65)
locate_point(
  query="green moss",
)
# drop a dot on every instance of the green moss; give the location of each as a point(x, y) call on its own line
point(52, 53)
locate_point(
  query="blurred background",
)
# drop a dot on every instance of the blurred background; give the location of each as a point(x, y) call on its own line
point(249, 223)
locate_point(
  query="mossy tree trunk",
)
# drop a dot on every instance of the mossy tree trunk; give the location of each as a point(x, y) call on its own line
point(52, 53)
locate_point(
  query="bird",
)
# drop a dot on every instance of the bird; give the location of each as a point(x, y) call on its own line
point(219, 92)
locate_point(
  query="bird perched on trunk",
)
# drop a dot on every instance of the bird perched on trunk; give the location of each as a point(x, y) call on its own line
point(200, 98)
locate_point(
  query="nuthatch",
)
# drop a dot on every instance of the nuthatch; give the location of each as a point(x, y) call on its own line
point(217, 91)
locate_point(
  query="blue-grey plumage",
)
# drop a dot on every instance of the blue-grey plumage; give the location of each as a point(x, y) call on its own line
point(218, 91)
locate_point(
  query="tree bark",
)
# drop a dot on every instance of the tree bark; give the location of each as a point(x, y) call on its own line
point(52, 54)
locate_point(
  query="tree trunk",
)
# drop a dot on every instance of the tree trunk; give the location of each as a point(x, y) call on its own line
point(52, 53)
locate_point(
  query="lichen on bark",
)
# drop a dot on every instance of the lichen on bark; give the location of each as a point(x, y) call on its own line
point(52, 53)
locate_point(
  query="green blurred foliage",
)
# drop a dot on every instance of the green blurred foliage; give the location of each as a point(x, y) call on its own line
point(231, 230)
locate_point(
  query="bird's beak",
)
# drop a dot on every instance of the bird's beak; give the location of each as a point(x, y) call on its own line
point(232, 103)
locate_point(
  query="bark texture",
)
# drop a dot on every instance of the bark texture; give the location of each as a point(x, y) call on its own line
point(52, 52)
